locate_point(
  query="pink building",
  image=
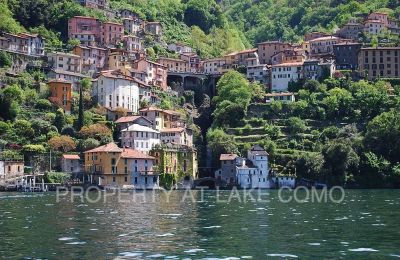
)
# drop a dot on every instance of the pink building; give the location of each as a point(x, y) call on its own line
point(112, 33)
point(152, 73)
point(382, 17)
point(85, 29)
point(93, 58)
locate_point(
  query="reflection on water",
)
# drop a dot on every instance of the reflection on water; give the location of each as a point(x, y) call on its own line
point(366, 224)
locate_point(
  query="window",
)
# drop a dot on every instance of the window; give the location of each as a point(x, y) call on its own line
point(113, 178)
point(126, 179)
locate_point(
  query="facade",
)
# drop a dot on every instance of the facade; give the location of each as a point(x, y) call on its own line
point(227, 172)
point(109, 165)
point(287, 56)
point(174, 65)
point(283, 74)
point(213, 66)
point(178, 160)
point(240, 58)
point(73, 77)
point(193, 60)
point(323, 45)
point(132, 26)
point(65, 61)
point(97, 4)
point(125, 13)
point(94, 58)
point(111, 33)
point(85, 29)
point(179, 48)
point(281, 96)
point(374, 27)
point(114, 90)
point(132, 43)
point(153, 28)
point(162, 119)
point(351, 30)
point(177, 135)
point(253, 171)
point(266, 50)
point(316, 69)
point(70, 163)
point(126, 121)
point(151, 73)
point(379, 62)
point(11, 170)
point(259, 73)
point(23, 43)
point(139, 137)
point(314, 35)
point(61, 94)
point(346, 55)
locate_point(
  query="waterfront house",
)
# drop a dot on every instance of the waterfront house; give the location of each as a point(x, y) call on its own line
point(162, 118)
point(71, 163)
point(61, 94)
point(112, 89)
point(109, 165)
point(11, 170)
point(178, 160)
point(227, 173)
point(140, 137)
point(177, 135)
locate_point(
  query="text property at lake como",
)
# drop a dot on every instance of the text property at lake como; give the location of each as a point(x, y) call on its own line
point(364, 224)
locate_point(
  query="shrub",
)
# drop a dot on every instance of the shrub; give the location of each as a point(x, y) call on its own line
point(43, 104)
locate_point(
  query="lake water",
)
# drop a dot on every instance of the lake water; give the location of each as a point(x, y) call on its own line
point(365, 225)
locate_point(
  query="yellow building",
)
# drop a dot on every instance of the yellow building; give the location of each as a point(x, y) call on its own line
point(109, 165)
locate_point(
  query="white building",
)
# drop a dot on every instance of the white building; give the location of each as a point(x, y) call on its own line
point(70, 163)
point(179, 48)
point(283, 74)
point(213, 66)
point(253, 172)
point(258, 73)
point(131, 25)
point(113, 90)
point(65, 61)
point(139, 137)
point(178, 135)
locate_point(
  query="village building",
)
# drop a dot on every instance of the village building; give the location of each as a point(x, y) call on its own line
point(316, 69)
point(379, 62)
point(61, 94)
point(346, 55)
point(283, 74)
point(267, 49)
point(112, 89)
point(177, 135)
point(132, 26)
point(96, 4)
point(259, 73)
point(174, 65)
point(288, 56)
point(213, 66)
point(111, 33)
point(323, 46)
point(161, 118)
point(132, 43)
point(71, 163)
point(179, 48)
point(227, 173)
point(94, 58)
point(280, 96)
point(65, 61)
point(153, 28)
point(140, 137)
point(150, 72)
point(73, 77)
point(178, 160)
point(351, 30)
point(11, 170)
point(23, 43)
point(193, 60)
point(111, 166)
point(125, 13)
point(85, 29)
point(314, 35)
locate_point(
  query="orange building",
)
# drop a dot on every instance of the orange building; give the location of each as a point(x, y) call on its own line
point(61, 94)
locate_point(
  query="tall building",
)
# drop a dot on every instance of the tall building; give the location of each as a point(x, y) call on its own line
point(379, 62)
point(266, 50)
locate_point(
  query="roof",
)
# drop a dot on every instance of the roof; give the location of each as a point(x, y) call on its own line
point(147, 109)
point(59, 81)
point(273, 42)
point(172, 130)
point(291, 64)
point(135, 154)
point(71, 156)
point(64, 54)
point(258, 150)
point(69, 73)
point(381, 48)
point(84, 17)
point(115, 74)
point(279, 94)
point(127, 119)
point(248, 50)
point(227, 157)
point(140, 128)
point(172, 59)
point(325, 38)
point(109, 148)
point(348, 43)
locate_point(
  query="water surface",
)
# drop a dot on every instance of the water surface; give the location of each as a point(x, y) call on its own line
point(365, 225)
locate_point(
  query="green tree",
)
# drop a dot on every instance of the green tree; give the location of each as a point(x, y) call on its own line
point(5, 60)
point(59, 121)
point(296, 125)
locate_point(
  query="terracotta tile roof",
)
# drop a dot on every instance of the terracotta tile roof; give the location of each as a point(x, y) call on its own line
point(325, 38)
point(126, 119)
point(135, 154)
point(71, 156)
point(115, 74)
point(227, 157)
point(109, 148)
point(172, 112)
point(172, 130)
